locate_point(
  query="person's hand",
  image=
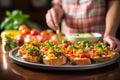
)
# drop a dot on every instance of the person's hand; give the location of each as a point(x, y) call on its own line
point(113, 42)
point(53, 17)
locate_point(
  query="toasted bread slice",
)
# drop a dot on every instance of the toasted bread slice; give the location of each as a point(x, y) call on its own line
point(104, 58)
point(55, 61)
point(81, 61)
point(29, 58)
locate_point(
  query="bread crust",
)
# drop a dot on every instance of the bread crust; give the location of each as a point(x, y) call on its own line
point(32, 59)
point(104, 58)
point(55, 61)
point(80, 61)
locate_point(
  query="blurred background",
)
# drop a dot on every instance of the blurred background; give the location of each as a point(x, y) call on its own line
point(35, 8)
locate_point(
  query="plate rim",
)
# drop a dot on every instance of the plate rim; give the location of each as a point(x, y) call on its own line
point(61, 67)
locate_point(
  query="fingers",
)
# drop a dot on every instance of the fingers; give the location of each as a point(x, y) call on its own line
point(49, 20)
point(52, 18)
point(113, 42)
point(55, 17)
point(110, 42)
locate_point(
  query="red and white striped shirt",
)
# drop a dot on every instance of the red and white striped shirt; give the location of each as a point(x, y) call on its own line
point(83, 15)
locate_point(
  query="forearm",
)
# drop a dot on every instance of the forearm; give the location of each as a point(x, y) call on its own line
point(112, 18)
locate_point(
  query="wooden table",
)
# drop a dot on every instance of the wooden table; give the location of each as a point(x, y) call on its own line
point(12, 71)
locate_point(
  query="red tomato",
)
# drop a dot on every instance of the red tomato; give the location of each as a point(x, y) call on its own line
point(72, 56)
point(54, 37)
point(82, 56)
point(34, 32)
point(41, 39)
point(20, 39)
point(85, 56)
point(33, 54)
point(25, 31)
point(43, 33)
point(51, 34)
point(105, 53)
point(65, 45)
point(70, 52)
point(23, 27)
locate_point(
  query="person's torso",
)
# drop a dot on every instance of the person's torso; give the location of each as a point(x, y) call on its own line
point(83, 16)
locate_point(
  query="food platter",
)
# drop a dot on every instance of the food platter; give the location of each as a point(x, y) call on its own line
point(66, 67)
point(84, 36)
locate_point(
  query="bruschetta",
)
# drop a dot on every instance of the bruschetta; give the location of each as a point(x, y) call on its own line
point(51, 59)
point(30, 52)
point(52, 54)
point(101, 53)
point(80, 61)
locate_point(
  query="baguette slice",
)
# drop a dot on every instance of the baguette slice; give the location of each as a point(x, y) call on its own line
point(104, 58)
point(31, 58)
point(80, 61)
point(55, 61)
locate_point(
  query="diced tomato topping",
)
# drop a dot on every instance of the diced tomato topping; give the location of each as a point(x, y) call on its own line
point(33, 54)
point(91, 49)
point(70, 52)
point(85, 56)
point(82, 56)
point(72, 55)
point(24, 52)
point(105, 54)
point(65, 45)
point(46, 49)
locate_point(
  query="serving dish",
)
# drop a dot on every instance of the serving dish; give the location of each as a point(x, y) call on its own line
point(84, 36)
point(65, 67)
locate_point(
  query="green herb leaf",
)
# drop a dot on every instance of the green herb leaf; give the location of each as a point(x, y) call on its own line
point(13, 20)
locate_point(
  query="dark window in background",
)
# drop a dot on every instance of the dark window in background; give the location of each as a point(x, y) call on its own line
point(35, 8)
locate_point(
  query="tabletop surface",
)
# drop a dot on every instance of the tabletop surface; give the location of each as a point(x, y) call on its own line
point(11, 71)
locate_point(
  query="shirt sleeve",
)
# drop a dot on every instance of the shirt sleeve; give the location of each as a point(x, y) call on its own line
point(57, 2)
